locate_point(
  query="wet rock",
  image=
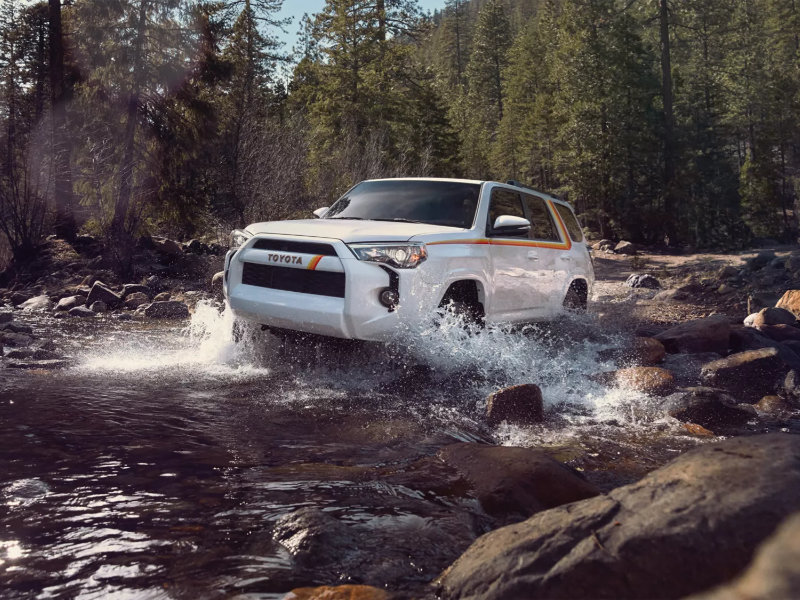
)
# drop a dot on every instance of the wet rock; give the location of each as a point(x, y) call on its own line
point(135, 288)
point(162, 297)
point(749, 338)
point(81, 311)
point(711, 408)
point(697, 430)
point(642, 280)
point(685, 527)
point(642, 351)
point(514, 483)
point(781, 333)
point(791, 386)
point(747, 374)
point(69, 302)
point(37, 304)
point(99, 307)
point(170, 309)
point(100, 292)
point(759, 300)
point(339, 592)
point(313, 536)
point(18, 298)
point(122, 316)
point(761, 260)
point(167, 247)
point(773, 316)
point(217, 281)
point(17, 328)
point(686, 367)
point(6, 317)
point(774, 573)
point(135, 300)
point(518, 404)
point(15, 340)
point(701, 335)
point(773, 405)
point(650, 380)
point(32, 353)
point(625, 248)
point(790, 301)
point(37, 364)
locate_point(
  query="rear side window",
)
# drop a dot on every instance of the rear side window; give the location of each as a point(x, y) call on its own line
point(504, 202)
point(542, 225)
point(570, 221)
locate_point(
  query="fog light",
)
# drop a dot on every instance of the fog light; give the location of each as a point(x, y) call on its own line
point(389, 297)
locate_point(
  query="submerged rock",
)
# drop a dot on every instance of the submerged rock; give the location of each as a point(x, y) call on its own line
point(99, 307)
point(642, 351)
point(6, 317)
point(339, 592)
point(711, 408)
point(170, 309)
point(37, 364)
point(701, 335)
point(518, 404)
point(81, 311)
point(688, 526)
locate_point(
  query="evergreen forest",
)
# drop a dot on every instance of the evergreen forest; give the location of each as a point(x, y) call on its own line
point(670, 122)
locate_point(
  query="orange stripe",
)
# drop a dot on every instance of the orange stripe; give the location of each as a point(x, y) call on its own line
point(561, 224)
point(314, 262)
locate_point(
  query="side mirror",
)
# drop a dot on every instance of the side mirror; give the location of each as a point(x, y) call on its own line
point(510, 225)
point(320, 212)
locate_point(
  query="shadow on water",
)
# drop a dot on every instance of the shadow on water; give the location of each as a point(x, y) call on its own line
point(183, 464)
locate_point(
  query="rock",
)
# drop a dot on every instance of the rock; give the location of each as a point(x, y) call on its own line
point(196, 247)
point(774, 573)
point(773, 316)
point(650, 380)
point(625, 248)
point(685, 368)
point(791, 386)
point(217, 282)
point(16, 340)
point(102, 293)
point(154, 282)
point(6, 317)
point(643, 351)
point(750, 320)
point(790, 301)
point(748, 374)
point(81, 311)
point(698, 430)
point(773, 405)
point(749, 338)
point(170, 309)
point(777, 263)
point(603, 245)
point(123, 317)
point(759, 300)
point(701, 335)
point(761, 260)
point(162, 297)
point(34, 353)
point(313, 536)
point(514, 483)
point(670, 296)
point(729, 272)
point(167, 247)
point(68, 302)
point(18, 328)
point(725, 289)
point(37, 304)
point(339, 592)
point(687, 526)
point(99, 307)
point(518, 404)
point(135, 300)
point(18, 298)
point(793, 262)
point(37, 364)
point(711, 408)
point(642, 280)
point(135, 288)
point(781, 333)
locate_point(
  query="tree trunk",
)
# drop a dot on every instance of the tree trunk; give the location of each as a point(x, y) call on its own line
point(669, 126)
point(65, 217)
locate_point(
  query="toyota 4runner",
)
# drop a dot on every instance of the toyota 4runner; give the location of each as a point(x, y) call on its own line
point(391, 252)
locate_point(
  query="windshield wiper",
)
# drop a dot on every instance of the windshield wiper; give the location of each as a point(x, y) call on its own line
point(350, 219)
point(400, 220)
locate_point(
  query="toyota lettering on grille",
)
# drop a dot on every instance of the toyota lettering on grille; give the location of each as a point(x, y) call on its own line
point(283, 258)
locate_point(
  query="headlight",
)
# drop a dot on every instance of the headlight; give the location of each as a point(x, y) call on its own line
point(402, 256)
point(239, 237)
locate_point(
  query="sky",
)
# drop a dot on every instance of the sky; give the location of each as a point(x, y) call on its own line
point(296, 8)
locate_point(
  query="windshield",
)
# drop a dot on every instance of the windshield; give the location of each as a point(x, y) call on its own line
point(448, 203)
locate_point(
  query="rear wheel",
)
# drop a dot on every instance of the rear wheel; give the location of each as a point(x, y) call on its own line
point(577, 296)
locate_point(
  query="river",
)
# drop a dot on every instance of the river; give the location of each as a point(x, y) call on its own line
point(172, 462)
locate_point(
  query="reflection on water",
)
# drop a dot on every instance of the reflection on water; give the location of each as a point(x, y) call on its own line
point(172, 463)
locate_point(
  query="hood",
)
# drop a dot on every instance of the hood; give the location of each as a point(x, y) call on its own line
point(349, 231)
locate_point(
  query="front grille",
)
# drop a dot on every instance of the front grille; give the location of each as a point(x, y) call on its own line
point(294, 246)
point(305, 281)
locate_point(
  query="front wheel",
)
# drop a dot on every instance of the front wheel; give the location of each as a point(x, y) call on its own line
point(577, 296)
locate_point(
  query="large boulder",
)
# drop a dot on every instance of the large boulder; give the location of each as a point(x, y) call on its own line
point(690, 525)
point(625, 248)
point(167, 247)
point(701, 335)
point(518, 404)
point(169, 309)
point(749, 338)
point(101, 293)
point(514, 483)
point(650, 380)
point(135, 288)
point(781, 333)
point(773, 316)
point(135, 300)
point(711, 408)
point(790, 301)
point(774, 573)
point(642, 280)
point(748, 375)
point(70, 302)
point(37, 304)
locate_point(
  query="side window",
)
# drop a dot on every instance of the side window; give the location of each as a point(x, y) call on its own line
point(542, 225)
point(570, 221)
point(504, 202)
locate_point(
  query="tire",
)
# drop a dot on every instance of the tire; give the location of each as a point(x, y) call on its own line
point(472, 315)
point(576, 298)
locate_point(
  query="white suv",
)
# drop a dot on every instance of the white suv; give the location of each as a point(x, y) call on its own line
point(390, 252)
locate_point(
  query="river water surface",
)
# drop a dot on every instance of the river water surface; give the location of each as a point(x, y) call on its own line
point(173, 462)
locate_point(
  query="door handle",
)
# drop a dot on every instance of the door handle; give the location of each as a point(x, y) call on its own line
point(533, 255)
